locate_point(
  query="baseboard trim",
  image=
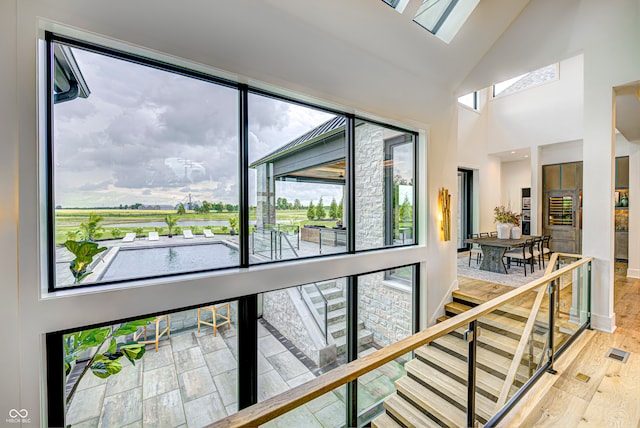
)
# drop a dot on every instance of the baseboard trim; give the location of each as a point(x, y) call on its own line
point(633, 273)
point(603, 322)
point(446, 299)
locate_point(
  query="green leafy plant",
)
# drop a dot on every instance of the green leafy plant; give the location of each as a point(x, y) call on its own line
point(159, 230)
point(233, 222)
point(73, 235)
point(116, 233)
point(171, 222)
point(178, 230)
point(505, 215)
point(92, 229)
point(139, 231)
point(84, 252)
point(103, 363)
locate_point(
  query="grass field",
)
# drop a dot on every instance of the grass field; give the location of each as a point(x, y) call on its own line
point(69, 220)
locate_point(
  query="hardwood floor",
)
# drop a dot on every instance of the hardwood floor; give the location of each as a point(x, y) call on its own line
point(611, 397)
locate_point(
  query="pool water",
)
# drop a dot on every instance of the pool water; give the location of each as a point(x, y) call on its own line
point(145, 262)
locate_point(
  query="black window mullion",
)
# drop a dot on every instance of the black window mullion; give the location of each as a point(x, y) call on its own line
point(55, 380)
point(247, 351)
point(416, 166)
point(244, 174)
point(51, 250)
point(351, 405)
point(350, 129)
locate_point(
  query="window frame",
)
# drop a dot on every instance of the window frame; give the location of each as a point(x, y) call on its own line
point(243, 150)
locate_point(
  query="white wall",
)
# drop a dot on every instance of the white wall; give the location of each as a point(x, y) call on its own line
point(529, 118)
point(473, 153)
point(515, 176)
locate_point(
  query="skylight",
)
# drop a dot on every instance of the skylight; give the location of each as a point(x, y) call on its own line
point(526, 80)
point(444, 18)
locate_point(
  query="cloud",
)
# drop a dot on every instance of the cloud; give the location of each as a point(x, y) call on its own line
point(148, 132)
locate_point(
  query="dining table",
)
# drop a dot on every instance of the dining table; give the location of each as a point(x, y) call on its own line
point(493, 250)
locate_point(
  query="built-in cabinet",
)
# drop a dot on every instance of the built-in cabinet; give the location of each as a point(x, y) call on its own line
point(562, 206)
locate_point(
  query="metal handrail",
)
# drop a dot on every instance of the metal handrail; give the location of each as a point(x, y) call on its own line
point(282, 234)
point(307, 301)
point(280, 404)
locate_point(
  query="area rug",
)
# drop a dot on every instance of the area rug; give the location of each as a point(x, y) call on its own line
point(514, 278)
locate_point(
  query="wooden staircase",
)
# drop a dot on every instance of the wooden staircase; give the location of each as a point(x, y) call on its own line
point(434, 391)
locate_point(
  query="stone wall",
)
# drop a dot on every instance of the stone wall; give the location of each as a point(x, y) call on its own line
point(369, 186)
point(385, 309)
point(280, 310)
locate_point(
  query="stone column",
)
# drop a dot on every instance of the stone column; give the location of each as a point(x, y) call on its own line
point(266, 193)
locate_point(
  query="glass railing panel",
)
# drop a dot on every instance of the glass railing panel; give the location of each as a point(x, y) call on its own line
point(328, 410)
point(512, 346)
point(571, 311)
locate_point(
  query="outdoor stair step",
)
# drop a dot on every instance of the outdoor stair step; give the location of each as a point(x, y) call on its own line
point(447, 386)
point(364, 337)
point(407, 413)
point(332, 305)
point(430, 402)
point(486, 382)
point(326, 285)
point(498, 323)
point(340, 329)
point(336, 316)
point(384, 421)
point(329, 294)
point(492, 361)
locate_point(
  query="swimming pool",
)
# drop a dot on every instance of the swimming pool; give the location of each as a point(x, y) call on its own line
point(130, 263)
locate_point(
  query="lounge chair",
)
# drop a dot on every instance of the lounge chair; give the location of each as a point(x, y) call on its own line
point(208, 233)
point(153, 236)
point(129, 237)
point(187, 234)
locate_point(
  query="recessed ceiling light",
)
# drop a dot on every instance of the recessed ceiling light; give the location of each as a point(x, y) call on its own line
point(526, 156)
point(513, 153)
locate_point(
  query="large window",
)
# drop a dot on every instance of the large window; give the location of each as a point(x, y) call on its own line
point(144, 169)
point(156, 170)
point(384, 186)
point(184, 367)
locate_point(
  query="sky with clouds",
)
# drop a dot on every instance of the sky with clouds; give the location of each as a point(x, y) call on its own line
point(154, 137)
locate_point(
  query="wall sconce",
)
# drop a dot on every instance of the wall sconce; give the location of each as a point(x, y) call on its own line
point(444, 204)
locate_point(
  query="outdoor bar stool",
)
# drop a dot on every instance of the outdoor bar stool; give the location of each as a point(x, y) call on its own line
point(159, 333)
point(475, 250)
point(493, 234)
point(215, 316)
point(484, 234)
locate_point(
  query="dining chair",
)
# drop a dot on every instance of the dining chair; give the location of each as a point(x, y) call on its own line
point(522, 254)
point(545, 250)
point(475, 249)
point(536, 250)
point(216, 316)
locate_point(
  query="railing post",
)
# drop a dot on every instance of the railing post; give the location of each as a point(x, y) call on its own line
point(471, 337)
point(589, 295)
point(280, 241)
point(552, 317)
point(320, 239)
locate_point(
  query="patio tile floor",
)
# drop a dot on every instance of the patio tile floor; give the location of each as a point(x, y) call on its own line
point(192, 381)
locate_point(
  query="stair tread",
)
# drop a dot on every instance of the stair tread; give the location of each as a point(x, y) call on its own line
point(407, 413)
point(384, 421)
point(364, 333)
point(491, 319)
point(484, 356)
point(485, 380)
point(512, 309)
point(435, 405)
point(450, 387)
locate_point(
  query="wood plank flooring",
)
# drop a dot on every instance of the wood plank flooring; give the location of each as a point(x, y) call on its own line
point(611, 397)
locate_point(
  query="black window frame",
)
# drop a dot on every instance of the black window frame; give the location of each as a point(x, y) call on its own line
point(243, 150)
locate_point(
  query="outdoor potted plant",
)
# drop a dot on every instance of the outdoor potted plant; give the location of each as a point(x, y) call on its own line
point(233, 222)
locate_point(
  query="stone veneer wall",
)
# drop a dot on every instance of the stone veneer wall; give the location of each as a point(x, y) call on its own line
point(369, 186)
point(385, 310)
point(280, 312)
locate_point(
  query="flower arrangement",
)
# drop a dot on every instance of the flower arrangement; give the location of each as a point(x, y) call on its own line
point(505, 215)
